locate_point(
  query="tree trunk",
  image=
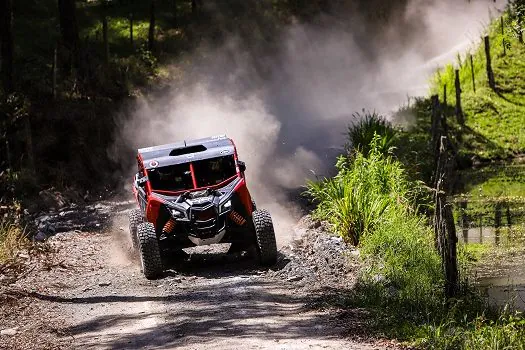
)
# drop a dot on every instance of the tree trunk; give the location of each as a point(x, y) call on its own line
point(7, 45)
point(131, 30)
point(29, 146)
point(194, 8)
point(69, 28)
point(105, 38)
point(54, 73)
point(174, 12)
point(151, 33)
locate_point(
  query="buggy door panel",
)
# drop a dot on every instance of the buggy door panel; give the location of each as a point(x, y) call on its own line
point(142, 199)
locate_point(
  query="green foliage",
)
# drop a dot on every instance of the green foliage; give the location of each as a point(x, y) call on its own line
point(362, 132)
point(517, 18)
point(506, 332)
point(364, 190)
point(147, 57)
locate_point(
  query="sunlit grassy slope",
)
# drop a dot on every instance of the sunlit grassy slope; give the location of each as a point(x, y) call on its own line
point(495, 119)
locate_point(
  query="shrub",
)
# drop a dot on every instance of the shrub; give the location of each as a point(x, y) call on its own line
point(363, 130)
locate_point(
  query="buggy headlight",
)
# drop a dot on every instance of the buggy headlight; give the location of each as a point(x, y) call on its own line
point(177, 214)
point(226, 206)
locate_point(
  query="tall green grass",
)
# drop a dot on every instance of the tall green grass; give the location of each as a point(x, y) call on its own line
point(365, 190)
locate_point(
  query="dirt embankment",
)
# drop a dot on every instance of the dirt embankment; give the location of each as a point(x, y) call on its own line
point(89, 293)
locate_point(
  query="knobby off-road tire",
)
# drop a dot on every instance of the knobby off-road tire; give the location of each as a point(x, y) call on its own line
point(149, 250)
point(135, 219)
point(266, 244)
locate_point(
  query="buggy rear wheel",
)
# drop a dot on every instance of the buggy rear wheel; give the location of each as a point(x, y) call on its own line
point(149, 250)
point(266, 244)
point(135, 219)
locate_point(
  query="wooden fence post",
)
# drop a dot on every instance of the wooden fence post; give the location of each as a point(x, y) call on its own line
point(509, 215)
point(464, 220)
point(503, 41)
point(435, 126)
point(472, 72)
point(459, 109)
point(490, 72)
point(498, 211)
point(444, 226)
point(445, 94)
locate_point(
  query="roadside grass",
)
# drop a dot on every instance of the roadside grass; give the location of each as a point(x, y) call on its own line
point(506, 180)
point(472, 252)
point(12, 239)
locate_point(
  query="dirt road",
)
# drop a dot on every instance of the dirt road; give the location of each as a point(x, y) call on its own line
point(90, 294)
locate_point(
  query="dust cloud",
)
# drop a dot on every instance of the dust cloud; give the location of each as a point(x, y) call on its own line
point(287, 111)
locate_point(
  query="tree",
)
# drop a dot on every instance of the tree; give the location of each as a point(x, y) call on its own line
point(518, 17)
point(151, 33)
point(174, 11)
point(69, 28)
point(7, 45)
point(195, 7)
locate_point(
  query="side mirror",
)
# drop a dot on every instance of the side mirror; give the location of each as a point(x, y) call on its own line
point(242, 166)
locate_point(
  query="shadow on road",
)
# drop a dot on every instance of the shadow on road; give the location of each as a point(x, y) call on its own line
point(241, 307)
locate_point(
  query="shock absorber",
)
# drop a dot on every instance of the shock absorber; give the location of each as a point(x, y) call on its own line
point(169, 226)
point(237, 218)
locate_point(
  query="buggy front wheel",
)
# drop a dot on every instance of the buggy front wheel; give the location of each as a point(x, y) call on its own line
point(149, 251)
point(135, 219)
point(264, 232)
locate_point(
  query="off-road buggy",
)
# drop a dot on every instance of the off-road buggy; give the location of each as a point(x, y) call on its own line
point(194, 193)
